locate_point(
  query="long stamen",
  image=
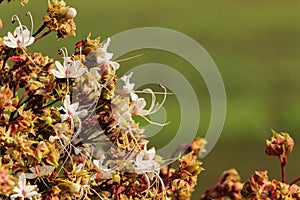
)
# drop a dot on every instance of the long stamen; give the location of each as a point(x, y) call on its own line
point(163, 187)
point(154, 123)
point(28, 57)
point(132, 57)
point(147, 92)
point(80, 52)
point(31, 20)
point(154, 108)
point(64, 51)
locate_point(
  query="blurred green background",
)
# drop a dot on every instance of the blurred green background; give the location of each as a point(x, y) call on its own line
point(255, 44)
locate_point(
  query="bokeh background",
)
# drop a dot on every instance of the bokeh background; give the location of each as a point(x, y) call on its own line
point(255, 44)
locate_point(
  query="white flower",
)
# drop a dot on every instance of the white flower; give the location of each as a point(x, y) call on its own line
point(23, 190)
point(19, 38)
point(103, 57)
point(128, 87)
point(95, 78)
point(107, 173)
point(71, 110)
point(139, 105)
point(145, 163)
point(121, 112)
point(39, 171)
point(70, 69)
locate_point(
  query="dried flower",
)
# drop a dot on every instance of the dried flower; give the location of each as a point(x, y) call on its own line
point(260, 187)
point(281, 144)
point(58, 20)
point(7, 182)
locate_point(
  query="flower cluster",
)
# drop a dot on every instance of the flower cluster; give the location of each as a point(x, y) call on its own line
point(259, 186)
point(23, 2)
point(59, 19)
point(228, 185)
point(66, 132)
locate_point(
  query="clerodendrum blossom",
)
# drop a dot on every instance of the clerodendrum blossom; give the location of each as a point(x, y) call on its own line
point(145, 162)
point(71, 110)
point(127, 87)
point(103, 57)
point(21, 37)
point(39, 171)
point(23, 190)
point(107, 173)
point(70, 68)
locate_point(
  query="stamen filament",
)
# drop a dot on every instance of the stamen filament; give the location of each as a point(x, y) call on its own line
point(31, 20)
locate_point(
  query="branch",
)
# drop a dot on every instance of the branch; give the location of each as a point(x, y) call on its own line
point(295, 181)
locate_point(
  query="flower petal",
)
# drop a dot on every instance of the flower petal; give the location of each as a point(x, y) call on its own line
point(30, 175)
point(80, 72)
point(57, 74)
point(10, 44)
point(73, 107)
point(60, 67)
point(64, 117)
point(151, 153)
point(100, 60)
point(29, 41)
point(67, 102)
point(108, 56)
point(106, 44)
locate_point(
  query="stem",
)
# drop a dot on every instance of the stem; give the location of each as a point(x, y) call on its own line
point(39, 30)
point(53, 102)
point(212, 189)
point(11, 119)
point(21, 99)
point(5, 60)
point(68, 86)
point(295, 181)
point(43, 35)
point(283, 162)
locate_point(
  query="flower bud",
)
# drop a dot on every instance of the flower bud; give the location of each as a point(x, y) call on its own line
point(1, 24)
point(279, 145)
point(75, 187)
point(71, 13)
